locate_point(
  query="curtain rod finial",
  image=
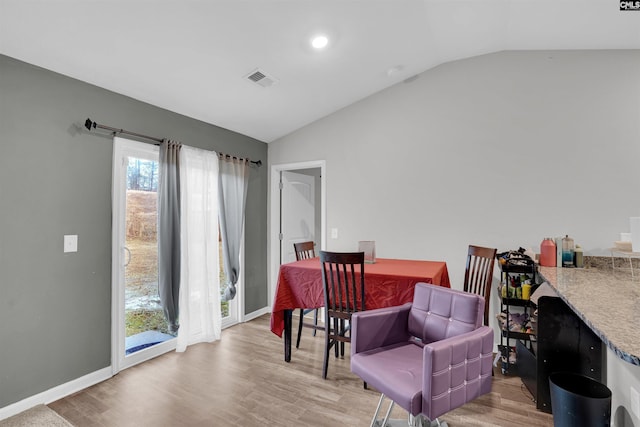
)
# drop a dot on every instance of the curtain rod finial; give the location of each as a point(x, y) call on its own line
point(89, 124)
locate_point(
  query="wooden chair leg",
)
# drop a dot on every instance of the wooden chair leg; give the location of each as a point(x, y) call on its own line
point(315, 321)
point(343, 332)
point(327, 348)
point(300, 327)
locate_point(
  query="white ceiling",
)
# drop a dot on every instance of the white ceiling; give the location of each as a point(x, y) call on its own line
point(191, 57)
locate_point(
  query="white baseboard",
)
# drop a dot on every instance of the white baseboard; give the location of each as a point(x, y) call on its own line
point(56, 393)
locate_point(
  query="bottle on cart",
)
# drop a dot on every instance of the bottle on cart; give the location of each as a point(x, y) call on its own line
point(579, 257)
point(548, 253)
point(567, 251)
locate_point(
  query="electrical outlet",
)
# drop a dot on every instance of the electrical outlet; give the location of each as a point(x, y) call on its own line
point(634, 396)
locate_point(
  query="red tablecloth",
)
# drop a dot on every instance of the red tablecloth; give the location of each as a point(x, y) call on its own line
point(388, 282)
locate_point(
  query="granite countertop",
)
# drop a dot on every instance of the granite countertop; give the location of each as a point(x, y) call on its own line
point(607, 300)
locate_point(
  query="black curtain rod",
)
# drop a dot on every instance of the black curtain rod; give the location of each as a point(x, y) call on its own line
point(90, 124)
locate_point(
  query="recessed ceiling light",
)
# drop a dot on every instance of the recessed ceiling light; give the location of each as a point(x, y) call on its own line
point(319, 42)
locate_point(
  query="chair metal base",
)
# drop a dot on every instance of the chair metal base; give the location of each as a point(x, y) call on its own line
point(405, 423)
point(412, 421)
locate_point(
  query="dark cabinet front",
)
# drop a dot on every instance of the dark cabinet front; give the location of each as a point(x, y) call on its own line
point(564, 343)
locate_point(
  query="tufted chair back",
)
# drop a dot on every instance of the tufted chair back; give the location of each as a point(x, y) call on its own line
point(439, 313)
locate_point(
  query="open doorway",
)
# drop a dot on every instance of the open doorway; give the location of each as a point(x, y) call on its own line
point(299, 208)
point(303, 185)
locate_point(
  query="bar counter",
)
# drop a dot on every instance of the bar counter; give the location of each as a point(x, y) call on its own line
point(607, 300)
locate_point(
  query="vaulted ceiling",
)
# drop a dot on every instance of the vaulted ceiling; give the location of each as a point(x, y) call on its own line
point(193, 57)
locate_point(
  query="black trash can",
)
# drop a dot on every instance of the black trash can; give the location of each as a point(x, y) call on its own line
point(579, 401)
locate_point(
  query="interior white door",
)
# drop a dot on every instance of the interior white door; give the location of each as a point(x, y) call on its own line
point(297, 212)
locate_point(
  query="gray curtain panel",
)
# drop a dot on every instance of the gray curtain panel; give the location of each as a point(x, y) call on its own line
point(232, 194)
point(169, 231)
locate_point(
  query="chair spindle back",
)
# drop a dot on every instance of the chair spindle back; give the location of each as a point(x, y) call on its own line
point(478, 274)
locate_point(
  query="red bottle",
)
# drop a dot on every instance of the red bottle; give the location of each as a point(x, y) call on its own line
point(548, 253)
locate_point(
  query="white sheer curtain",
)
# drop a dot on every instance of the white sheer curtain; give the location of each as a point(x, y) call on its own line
point(199, 300)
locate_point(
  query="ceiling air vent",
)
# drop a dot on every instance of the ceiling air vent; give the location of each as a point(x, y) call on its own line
point(261, 78)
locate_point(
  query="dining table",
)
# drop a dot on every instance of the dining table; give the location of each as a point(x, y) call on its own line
point(388, 282)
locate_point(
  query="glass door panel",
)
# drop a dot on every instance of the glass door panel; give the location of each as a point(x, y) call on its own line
point(139, 326)
point(145, 324)
point(229, 309)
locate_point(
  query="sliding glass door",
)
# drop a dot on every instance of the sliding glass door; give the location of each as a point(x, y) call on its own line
point(139, 326)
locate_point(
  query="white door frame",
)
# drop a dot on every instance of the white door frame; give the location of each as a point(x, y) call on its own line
point(274, 223)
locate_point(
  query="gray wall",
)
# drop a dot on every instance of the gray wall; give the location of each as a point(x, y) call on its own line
point(499, 150)
point(55, 179)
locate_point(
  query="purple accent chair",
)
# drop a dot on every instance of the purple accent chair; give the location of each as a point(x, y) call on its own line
point(428, 357)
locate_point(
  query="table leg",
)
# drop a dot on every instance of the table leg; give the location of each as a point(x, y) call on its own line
point(287, 335)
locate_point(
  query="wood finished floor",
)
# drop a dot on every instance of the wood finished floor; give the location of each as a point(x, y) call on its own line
point(243, 380)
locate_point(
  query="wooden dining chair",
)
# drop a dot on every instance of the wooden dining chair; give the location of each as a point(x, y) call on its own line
point(478, 274)
point(305, 250)
point(343, 283)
